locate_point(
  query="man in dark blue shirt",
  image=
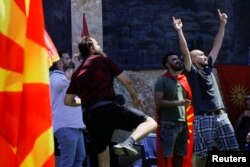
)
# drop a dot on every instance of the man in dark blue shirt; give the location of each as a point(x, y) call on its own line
point(211, 124)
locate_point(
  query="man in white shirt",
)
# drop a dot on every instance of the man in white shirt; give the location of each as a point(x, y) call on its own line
point(67, 121)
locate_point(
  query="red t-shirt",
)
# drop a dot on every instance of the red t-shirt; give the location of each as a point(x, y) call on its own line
point(93, 80)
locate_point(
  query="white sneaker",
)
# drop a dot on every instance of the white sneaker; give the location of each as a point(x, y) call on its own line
point(125, 148)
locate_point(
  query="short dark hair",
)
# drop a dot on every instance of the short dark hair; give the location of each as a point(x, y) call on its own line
point(60, 53)
point(165, 58)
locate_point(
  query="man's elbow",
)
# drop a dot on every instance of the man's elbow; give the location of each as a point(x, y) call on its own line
point(157, 102)
point(68, 101)
point(124, 79)
point(128, 82)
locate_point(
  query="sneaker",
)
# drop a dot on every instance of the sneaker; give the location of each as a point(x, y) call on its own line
point(125, 148)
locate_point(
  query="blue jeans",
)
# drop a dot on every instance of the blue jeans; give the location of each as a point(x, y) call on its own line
point(174, 137)
point(71, 145)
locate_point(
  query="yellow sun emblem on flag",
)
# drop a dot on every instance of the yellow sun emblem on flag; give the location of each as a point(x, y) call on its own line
point(237, 95)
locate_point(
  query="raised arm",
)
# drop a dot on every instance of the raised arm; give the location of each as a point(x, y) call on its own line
point(219, 36)
point(177, 24)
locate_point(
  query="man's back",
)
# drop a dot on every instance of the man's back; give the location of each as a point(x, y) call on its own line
point(94, 80)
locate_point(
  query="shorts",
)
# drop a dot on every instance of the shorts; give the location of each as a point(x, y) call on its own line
point(213, 130)
point(103, 120)
point(174, 137)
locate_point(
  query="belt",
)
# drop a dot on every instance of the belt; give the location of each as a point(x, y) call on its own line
point(215, 112)
point(98, 104)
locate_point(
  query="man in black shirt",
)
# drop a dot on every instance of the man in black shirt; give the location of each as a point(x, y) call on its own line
point(211, 124)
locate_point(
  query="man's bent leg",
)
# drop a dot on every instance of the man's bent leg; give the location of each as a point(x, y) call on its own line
point(104, 158)
point(142, 130)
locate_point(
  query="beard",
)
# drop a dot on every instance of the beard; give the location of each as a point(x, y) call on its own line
point(177, 67)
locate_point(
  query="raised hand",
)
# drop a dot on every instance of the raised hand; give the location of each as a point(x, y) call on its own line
point(222, 16)
point(177, 24)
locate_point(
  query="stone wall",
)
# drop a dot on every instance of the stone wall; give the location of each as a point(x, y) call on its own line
point(57, 16)
point(138, 33)
point(144, 84)
point(241, 45)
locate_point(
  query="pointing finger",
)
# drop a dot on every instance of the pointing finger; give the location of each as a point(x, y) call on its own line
point(219, 12)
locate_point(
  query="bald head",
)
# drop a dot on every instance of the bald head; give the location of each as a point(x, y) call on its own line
point(198, 58)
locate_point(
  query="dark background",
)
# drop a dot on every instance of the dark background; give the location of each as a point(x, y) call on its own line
point(57, 16)
point(137, 33)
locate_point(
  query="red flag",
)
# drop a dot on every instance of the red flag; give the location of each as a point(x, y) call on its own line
point(187, 160)
point(52, 52)
point(235, 85)
point(26, 137)
point(85, 30)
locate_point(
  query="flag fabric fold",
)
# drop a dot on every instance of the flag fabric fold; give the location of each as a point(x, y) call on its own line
point(26, 137)
point(85, 30)
point(51, 49)
point(235, 85)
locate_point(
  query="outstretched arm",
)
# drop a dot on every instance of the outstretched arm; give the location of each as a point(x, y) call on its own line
point(219, 36)
point(124, 79)
point(177, 24)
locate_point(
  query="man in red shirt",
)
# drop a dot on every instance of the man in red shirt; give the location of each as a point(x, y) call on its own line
point(93, 83)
